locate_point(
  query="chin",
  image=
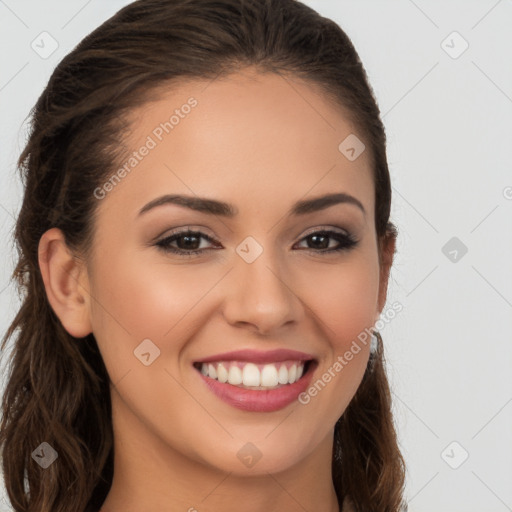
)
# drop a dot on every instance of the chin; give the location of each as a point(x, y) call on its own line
point(255, 458)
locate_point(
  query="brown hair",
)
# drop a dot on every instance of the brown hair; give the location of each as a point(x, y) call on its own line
point(58, 388)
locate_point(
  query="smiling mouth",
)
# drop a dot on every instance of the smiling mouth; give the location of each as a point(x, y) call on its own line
point(248, 375)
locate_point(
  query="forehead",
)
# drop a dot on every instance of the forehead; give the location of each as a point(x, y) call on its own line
point(250, 138)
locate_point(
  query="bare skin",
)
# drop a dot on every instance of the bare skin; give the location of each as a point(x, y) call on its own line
point(258, 143)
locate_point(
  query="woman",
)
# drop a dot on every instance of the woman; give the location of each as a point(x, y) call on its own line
point(204, 247)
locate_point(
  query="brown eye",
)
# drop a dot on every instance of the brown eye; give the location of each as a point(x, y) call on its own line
point(320, 241)
point(188, 243)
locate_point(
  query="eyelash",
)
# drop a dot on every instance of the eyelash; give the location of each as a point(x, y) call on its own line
point(347, 242)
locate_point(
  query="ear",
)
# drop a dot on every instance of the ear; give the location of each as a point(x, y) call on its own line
point(66, 283)
point(387, 252)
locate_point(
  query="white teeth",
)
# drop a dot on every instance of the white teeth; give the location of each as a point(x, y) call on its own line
point(211, 371)
point(250, 375)
point(292, 373)
point(269, 376)
point(222, 373)
point(282, 376)
point(234, 375)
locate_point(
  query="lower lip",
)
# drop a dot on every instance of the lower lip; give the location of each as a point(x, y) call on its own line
point(266, 400)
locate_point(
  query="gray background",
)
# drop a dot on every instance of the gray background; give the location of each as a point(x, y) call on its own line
point(448, 120)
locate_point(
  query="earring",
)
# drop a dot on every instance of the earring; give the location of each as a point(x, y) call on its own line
point(374, 343)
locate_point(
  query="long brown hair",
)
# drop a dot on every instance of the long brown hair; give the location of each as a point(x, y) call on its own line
point(57, 386)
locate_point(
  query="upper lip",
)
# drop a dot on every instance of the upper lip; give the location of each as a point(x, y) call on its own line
point(255, 356)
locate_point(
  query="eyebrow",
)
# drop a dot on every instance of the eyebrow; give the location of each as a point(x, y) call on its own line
point(214, 207)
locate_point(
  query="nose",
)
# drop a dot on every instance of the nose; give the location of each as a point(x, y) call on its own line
point(262, 296)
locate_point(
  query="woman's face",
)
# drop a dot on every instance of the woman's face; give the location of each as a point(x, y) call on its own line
point(261, 280)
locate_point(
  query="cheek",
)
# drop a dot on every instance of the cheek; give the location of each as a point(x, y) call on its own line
point(344, 299)
point(344, 305)
point(148, 300)
point(346, 309)
point(134, 300)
